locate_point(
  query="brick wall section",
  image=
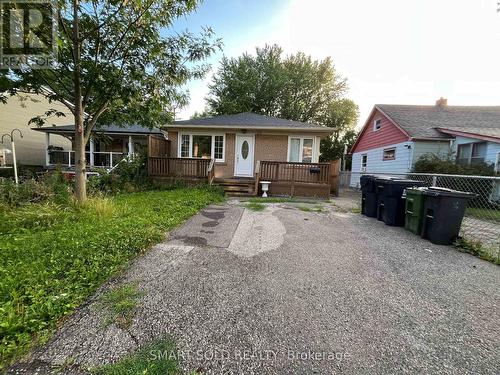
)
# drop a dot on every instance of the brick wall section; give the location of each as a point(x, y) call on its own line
point(226, 169)
point(271, 147)
point(388, 134)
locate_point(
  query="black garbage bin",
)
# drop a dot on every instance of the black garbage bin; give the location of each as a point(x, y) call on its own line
point(444, 210)
point(390, 201)
point(368, 195)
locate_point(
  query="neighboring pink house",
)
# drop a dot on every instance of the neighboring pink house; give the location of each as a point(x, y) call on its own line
point(394, 137)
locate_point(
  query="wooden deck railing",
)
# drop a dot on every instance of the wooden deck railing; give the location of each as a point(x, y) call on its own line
point(316, 173)
point(180, 167)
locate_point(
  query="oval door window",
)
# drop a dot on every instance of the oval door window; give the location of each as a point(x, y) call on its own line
point(244, 150)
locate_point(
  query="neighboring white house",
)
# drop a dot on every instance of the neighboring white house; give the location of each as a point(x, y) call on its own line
point(19, 110)
point(396, 136)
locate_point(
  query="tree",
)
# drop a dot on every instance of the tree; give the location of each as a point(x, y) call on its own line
point(117, 64)
point(341, 115)
point(293, 87)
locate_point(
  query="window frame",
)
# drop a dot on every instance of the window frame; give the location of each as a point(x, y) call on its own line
point(472, 146)
point(364, 163)
point(376, 122)
point(314, 156)
point(212, 146)
point(386, 150)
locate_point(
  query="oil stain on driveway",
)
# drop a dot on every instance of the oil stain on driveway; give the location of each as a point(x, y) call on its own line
point(286, 291)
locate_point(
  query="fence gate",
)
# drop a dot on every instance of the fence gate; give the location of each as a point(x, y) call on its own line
point(334, 176)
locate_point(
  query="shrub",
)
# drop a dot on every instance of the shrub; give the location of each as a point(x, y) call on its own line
point(431, 163)
point(53, 187)
point(128, 176)
point(483, 188)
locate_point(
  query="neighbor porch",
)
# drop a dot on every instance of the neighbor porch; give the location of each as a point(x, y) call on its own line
point(106, 148)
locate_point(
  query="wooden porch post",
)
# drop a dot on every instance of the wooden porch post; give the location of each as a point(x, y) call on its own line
point(91, 149)
point(130, 147)
point(47, 144)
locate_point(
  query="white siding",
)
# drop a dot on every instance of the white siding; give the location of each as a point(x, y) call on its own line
point(30, 150)
point(376, 164)
point(439, 148)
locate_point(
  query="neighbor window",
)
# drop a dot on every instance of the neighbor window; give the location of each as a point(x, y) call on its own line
point(301, 150)
point(471, 153)
point(364, 161)
point(377, 124)
point(389, 154)
point(203, 146)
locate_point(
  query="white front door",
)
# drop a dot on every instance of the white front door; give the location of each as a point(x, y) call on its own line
point(244, 155)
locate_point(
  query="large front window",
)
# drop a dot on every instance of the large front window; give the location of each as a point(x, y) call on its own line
point(204, 146)
point(301, 150)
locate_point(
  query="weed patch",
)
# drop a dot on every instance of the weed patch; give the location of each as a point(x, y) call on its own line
point(255, 206)
point(153, 359)
point(121, 305)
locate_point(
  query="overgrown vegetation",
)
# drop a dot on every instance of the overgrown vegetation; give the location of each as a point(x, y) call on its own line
point(120, 305)
point(128, 176)
point(431, 163)
point(156, 358)
point(55, 254)
point(50, 188)
point(478, 249)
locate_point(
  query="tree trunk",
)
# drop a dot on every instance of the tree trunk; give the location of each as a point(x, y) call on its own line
point(80, 163)
point(80, 181)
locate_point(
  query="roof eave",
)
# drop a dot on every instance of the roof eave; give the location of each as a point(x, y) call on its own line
point(71, 131)
point(250, 127)
point(431, 139)
point(484, 137)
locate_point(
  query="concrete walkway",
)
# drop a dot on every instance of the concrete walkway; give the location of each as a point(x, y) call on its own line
point(286, 291)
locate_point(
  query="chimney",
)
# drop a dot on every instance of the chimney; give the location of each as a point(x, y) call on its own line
point(442, 102)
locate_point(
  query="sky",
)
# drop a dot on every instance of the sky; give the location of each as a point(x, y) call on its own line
point(390, 51)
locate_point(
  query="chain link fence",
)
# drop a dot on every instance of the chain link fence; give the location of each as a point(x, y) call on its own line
point(482, 217)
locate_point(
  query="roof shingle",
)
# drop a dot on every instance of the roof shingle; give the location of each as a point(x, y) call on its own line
point(421, 121)
point(249, 120)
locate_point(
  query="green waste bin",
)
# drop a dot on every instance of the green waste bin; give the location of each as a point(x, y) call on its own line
point(414, 209)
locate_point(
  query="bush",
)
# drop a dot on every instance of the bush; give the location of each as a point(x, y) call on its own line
point(128, 176)
point(481, 187)
point(53, 187)
point(431, 163)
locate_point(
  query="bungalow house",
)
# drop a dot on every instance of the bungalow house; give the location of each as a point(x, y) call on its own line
point(238, 150)
point(394, 137)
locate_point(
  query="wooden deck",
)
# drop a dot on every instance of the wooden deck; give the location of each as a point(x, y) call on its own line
point(290, 179)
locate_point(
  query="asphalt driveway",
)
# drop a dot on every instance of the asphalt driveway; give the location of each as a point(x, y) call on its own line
point(290, 291)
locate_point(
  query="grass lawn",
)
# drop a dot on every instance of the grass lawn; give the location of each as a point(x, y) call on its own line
point(54, 257)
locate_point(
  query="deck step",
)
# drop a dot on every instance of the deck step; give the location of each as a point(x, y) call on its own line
point(236, 186)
